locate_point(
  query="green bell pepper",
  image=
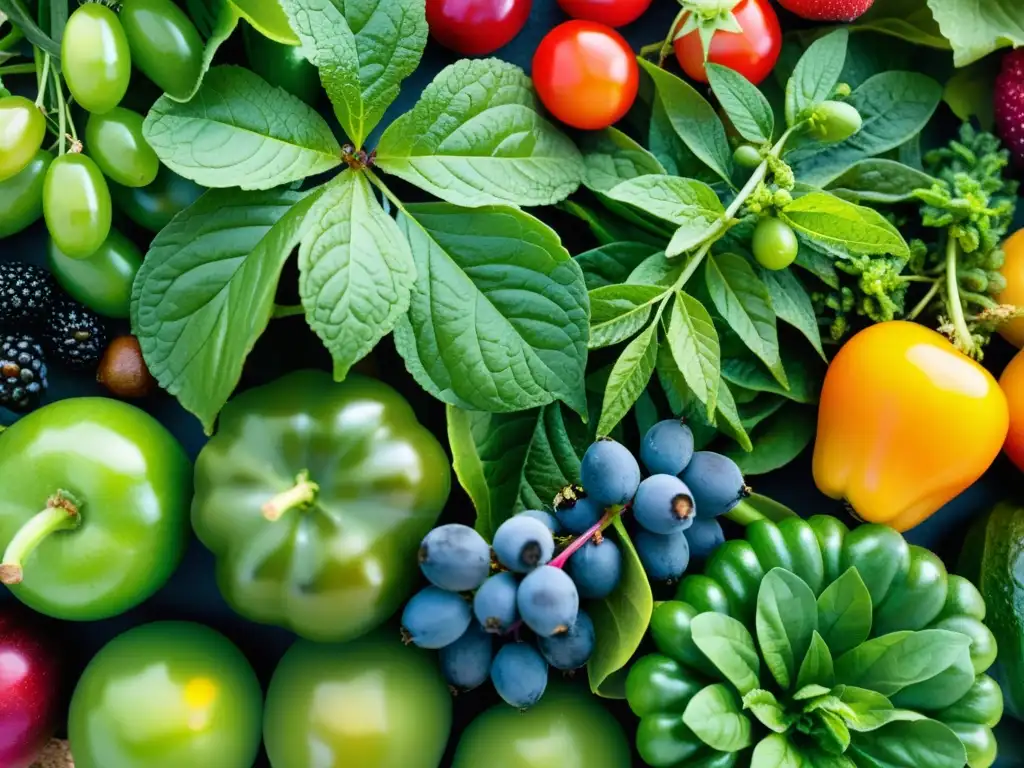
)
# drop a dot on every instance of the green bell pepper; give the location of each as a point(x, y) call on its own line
point(94, 500)
point(314, 496)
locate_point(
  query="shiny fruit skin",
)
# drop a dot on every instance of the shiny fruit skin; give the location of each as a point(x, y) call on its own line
point(827, 10)
point(123, 371)
point(906, 422)
point(22, 130)
point(752, 52)
point(476, 27)
point(1012, 382)
point(95, 58)
point(114, 140)
point(774, 244)
point(21, 196)
point(103, 280)
point(152, 207)
point(166, 46)
point(614, 13)
point(76, 205)
point(1013, 271)
point(282, 65)
point(166, 695)
point(585, 74)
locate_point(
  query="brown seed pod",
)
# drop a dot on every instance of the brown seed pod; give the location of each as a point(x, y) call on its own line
point(123, 370)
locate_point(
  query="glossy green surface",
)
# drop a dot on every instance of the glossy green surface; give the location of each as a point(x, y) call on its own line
point(133, 483)
point(102, 281)
point(21, 196)
point(167, 695)
point(268, 17)
point(775, 244)
point(76, 205)
point(152, 207)
point(95, 59)
point(114, 140)
point(22, 129)
point(282, 65)
point(371, 703)
point(165, 44)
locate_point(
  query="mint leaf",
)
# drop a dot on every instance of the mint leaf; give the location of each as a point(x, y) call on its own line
point(816, 74)
point(693, 343)
point(612, 263)
point(909, 744)
point(611, 157)
point(975, 28)
point(878, 180)
point(205, 291)
point(498, 319)
point(628, 378)
point(747, 108)
point(355, 270)
point(618, 312)
point(792, 304)
point(476, 137)
point(846, 226)
point(364, 49)
point(239, 131)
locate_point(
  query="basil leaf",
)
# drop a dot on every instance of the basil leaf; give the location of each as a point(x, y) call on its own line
point(498, 319)
point(476, 137)
point(612, 263)
point(889, 663)
point(910, 744)
point(240, 131)
point(747, 108)
point(364, 49)
point(785, 619)
point(729, 646)
point(611, 157)
point(878, 180)
point(844, 613)
point(716, 719)
point(628, 378)
point(976, 28)
point(767, 710)
point(943, 690)
point(816, 669)
point(792, 304)
point(812, 690)
point(693, 343)
point(777, 441)
point(776, 751)
point(840, 224)
point(205, 291)
point(816, 74)
point(619, 312)
point(355, 271)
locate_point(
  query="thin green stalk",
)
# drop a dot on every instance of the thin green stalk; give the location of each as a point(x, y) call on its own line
point(379, 184)
point(64, 106)
point(43, 81)
point(917, 279)
point(923, 303)
point(956, 309)
point(11, 39)
point(976, 298)
point(744, 513)
point(18, 69)
point(281, 311)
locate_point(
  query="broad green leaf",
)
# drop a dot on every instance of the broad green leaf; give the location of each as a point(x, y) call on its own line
point(715, 717)
point(943, 690)
point(840, 224)
point(776, 751)
point(646, 412)
point(766, 708)
point(693, 343)
point(239, 131)
point(618, 312)
point(812, 690)
point(777, 441)
point(729, 646)
point(816, 74)
point(910, 744)
point(205, 292)
point(747, 108)
point(656, 270)
point(909, 20)
point(669, 150)
point(975, 28)
point(728, 417)
point(220, 17)
point(628, 378)
point(878, 180)
point(844, 613)
point(356, 272)
point(786, 618)
point(889, 663)
point(364, 49)
point(866, 710)
point(804, 372)
point(476, 137)
point(792, 304)
point(970, 92)
point(612, 263)
point(499, 314)
point(611, 229)
point(611, 157)
point(268, 18)
point(816, 669)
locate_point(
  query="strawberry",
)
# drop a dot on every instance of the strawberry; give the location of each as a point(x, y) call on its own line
point(827, 10)
point(1009, 104)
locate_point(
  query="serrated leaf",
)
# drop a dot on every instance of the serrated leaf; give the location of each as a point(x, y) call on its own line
point(747, 108)
point(612, 263)
point(611, 157)
point(628, 378)
point(840, 224)
point(844, 613)
point(816, 73)
point(693, 342)
point(816, 669)
point(786, 619)
point(792, 304)
point(618, 312)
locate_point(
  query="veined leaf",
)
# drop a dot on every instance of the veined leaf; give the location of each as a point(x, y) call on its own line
point(787, 616)
point(816, 74)
point(618, 312)
point(729, 646)
point(910, 744)
point(767, 709)
point(747, 108)
point(878, 180)
point(611, 157)
point(776, 751)
point(844, 613)
point(975, 28)
point(612, 263)
point(792, 304)
point(816, 669)
point(693, 342)
point(220, 17)
point(889, 663)
point(628, 378)
point(715, 717)
point(267, 17)
point(838, 223)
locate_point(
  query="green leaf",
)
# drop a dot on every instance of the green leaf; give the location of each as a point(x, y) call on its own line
point(268, 18)
point(240, 131)
point(975, 28)
point(715, 717)
point(817, 263)
point(611, 157)
point(58, 19)
point(943, 690)
point(776, 751)
point(816, 669)
point(747, 108)
point(205, 292)
point(865, 710)
point(729, 646)
point(767, 710)
point(877, 180)
point(364, 49)
point(731, 423)
point(816, 74)
point(646, 412)
point(777, 441)
point(669, 149)
point(693, 343)
point(611, 229)
point(656, 270)
point(844, 613)
point(612, 263)
point(620, 622)
point(812, 690)
point(889, 663)
point(356, 272)
point(909, 20)
point(831, 732)
point(838, 223)
point(476, 137)
point(219, 22)
point(22, 19)
point(693, 119)
point(910, 744)
point(628, 378)
point(619, 312)
point(759, 407)
point(770, 508)
point(970, 92)
point(499, 314)
point(785, 620)
point(804, 372)
point(818, 758)
point(792, 304)
point(744, 303)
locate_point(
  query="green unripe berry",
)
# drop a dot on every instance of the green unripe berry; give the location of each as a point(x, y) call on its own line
point(746, 156)
point(996, 283)
point(835, 121)
point(842, 90)
point(774, 243)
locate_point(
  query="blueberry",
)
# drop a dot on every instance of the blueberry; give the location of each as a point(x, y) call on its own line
point(520, 675)
point(716, 483)
point(522, 543)
point(572, 649)
point(495, 603)
point(455, 557)
point(548, 601)
point(609, 473)
point(545, 517)
point(667, 447)
point(664, 557)
point(578, 516)
point(434, 618)
point(663, 504)
point(596, 568)
point(704, 537)
point(466, 663)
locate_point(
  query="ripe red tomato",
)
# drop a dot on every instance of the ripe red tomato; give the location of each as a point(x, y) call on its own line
point(586, 74)
point(752, 52)
point(614, 13)
point(476, 27)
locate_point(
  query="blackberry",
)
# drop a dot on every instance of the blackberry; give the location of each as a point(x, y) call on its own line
point(26, 295)
point(74, 336)
point(22, 373)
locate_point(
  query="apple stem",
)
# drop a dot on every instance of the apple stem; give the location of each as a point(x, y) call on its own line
point(302, 494)
point(61, 514)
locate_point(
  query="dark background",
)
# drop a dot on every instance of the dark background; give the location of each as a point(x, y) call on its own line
point(192, 595)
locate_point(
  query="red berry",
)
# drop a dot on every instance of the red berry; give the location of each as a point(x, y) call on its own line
point(1009, 104)
point(827, 10)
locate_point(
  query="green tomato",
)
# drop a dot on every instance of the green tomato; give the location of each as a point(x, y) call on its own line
point(22, 130)
point(282, 65)
point(166, 695)
point(568, 727)
point(21, 196)
point(152, 207)
point(371, 703)
point(835, 121)
point(268, 18)
point(95, 59)
point(775, 244)
point(166, 46)
point(114, 140)
point(94, 510)
point(746, 156)
point(76, 205)
point(102, 281)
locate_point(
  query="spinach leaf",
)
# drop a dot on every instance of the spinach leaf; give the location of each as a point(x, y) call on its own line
point(844, 613)
point(816, 74)
point(767, 709)
point(910, 744)
point(889, 663)
point(619, 312)
point(975, 28)
point(498, 320)
point(843, 225)
point(629, 377)
point(943, 690)
point(729, 646)
point(878, 180)
point(715, 717)
point(747, 108)
point(612, 263)
point(792, 304)
point(693, 343)
point(476, 137)
point(240, 131)
point(785, 620)
point(866, 710)
point(611, 157)
point(816, 669)
point(776, 751)
point(778, 440)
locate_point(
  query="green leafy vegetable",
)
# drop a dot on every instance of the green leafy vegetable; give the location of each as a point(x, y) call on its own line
point(715, 717)
point(816, 74)
point(817, 673)
point(840, 224)
point(975, 28)
point(729, 646)
point(844, 613)
point(786, 618)
point(619, 312)
point(611, 157)
point(628, 378)
point(747, 108)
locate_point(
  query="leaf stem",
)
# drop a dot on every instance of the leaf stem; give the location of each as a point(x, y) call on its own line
point(281, 311)
point(11, 39)
point(977, 298)
point(923, 303)
point(744, 513)
point(379, 184)
point(43, 81)
point(18, 69)
point(65, 109)
point(956, 309)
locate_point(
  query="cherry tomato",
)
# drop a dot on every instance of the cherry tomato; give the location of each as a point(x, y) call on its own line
point(285, 66)
point(95, 58)
point(154, 206)
point(76, 205)
point(22, 130)
point(21, 196)
point(775, 244)
point(476, 27)
point(586, 74)
point(614, 13)
point(114, 140)
point(102, 281)
point(166, 46)
point(752, 52)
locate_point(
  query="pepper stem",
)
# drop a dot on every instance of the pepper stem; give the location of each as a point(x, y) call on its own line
point(302, 494)
point(61, 514)
point(744, 513)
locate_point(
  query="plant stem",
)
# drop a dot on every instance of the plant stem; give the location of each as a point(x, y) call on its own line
point(923, 303)
point(956, 309)
point(580, 541)
point(281, 311)
point(917, 279)
point(379, 184)
point(744, 513)
point(301, 494)
point(65, 108)
point(11, 39)
point(61, 514)
point(43, 81)
point(986, 301)
point(18, 69)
